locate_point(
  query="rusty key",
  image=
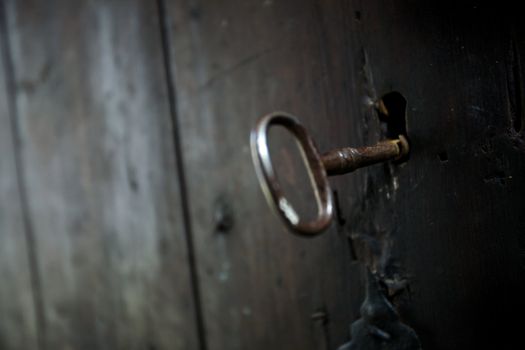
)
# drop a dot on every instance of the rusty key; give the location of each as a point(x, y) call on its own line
point(335, 162)
point(345, 160)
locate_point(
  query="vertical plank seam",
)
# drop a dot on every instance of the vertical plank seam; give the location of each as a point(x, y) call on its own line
point(172, 100)
point(29, 233)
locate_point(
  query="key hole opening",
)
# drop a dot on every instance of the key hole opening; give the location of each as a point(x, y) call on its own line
point(392, 110)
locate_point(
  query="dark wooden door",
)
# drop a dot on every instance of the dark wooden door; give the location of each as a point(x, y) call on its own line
point(130, 214)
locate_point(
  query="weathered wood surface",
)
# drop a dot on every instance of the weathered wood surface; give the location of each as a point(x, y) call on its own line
point(124, 132)
point(456, 222)
point(234, 62)
point(449, 222)
point(17, 302)
point(99, 169)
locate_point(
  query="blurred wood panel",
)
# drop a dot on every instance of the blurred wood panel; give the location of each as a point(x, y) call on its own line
point(100, 175)
point(18, 320)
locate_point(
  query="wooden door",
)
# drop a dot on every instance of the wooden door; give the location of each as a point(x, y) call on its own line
point(130, 213)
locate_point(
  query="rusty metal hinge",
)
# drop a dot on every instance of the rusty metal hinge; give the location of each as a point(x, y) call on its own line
point(379, 327)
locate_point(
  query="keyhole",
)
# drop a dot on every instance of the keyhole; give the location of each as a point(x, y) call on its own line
point(392, 109)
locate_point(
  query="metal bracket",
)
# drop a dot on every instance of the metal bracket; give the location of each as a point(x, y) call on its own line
point(379, 327)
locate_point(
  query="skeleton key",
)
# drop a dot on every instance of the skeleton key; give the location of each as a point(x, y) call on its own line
point(335, 162)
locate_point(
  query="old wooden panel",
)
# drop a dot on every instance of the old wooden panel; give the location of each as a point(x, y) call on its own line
point(17, 309)
point(452, 217)
point(447, 225)
point(233, 62)
point(131, 217)
point(100, 175)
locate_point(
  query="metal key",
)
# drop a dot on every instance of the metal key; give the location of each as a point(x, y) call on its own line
point(335, 162)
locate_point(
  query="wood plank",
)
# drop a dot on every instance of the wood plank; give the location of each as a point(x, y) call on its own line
point(18, 321)
point(455, 218)
point(101, 176)
point(449, 221)
point(234, 62)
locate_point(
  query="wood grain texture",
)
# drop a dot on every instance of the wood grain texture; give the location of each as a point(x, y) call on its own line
point(453, 215)
point(99, 99)
point(103, 191)
point(234, 62)
point(18, 320)
point(449, 221)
